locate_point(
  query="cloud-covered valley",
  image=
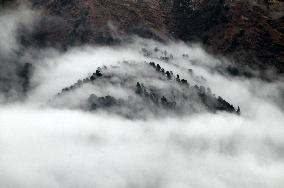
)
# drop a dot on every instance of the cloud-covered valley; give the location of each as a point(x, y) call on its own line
point(54, 139)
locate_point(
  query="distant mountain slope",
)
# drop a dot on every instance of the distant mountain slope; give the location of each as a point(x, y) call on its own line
point(246, 31)
point(99, 21)
point(240, 29)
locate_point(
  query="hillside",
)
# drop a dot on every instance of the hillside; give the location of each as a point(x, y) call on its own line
point(251, 34)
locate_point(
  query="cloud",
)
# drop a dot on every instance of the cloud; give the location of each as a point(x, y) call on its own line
point(14, 60)
point(11, 20)
point(67, 148)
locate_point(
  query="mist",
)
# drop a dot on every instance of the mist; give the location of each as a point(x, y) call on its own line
point(14, 59)
point(48, 139)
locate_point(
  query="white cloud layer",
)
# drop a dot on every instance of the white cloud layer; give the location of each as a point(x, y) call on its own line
point(49, 147)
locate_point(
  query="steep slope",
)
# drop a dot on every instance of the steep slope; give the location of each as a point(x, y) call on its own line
point(239, 29)
point(250, 33)
point(98, 21)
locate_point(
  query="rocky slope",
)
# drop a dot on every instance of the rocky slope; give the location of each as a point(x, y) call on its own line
point(245, 31)
point(249, 32)
point(98, 21)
